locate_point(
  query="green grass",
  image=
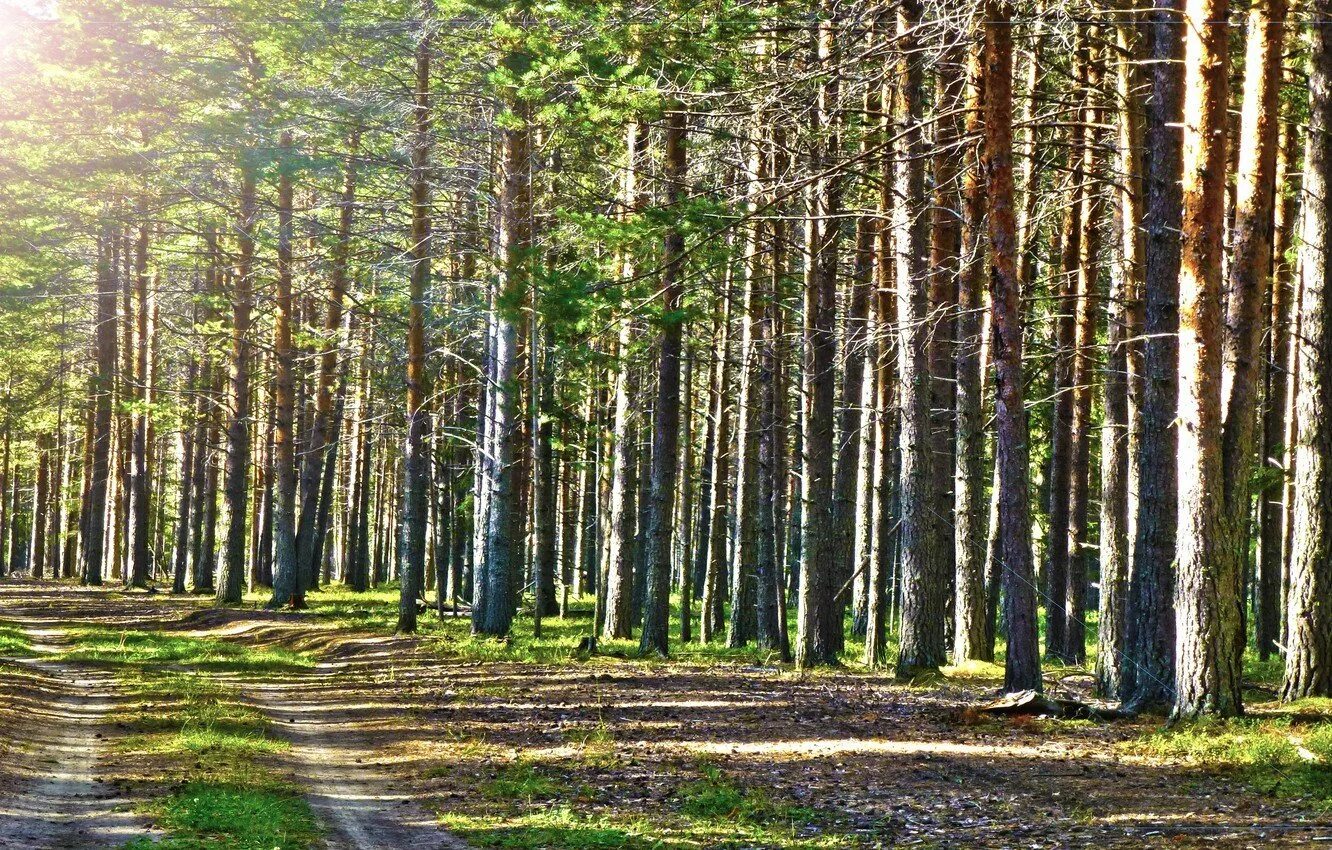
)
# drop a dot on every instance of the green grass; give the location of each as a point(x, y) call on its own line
point(522, 782)
point(13, 640)
point(531, 806)
point(715, 798)
point(1272, 754)
point(219, 752)
point(376, 611)
point(223, 751)
point(137, 648)
point(212, 816)
point(564, 827)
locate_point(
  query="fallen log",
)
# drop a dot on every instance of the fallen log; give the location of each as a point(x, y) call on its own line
point(1031, 703)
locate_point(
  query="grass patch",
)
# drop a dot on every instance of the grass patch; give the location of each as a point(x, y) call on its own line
point(13, 640)
point(1271, 754)
point(219, 753)
point(522, 782)
point(376, 611)
point(222, 750)
point(714, 798)
point(209, 816)
point(556, 827)
point(562, 827)
point(139, 648)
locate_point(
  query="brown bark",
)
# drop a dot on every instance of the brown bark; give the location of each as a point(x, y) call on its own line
point(1309, 600)
point(970, 507)
point(666, 423)
point(1250, 278)
point(1022, 669)
point(922, 637)
point(1149, 644)
point(815, 643)
point(238, 428)
point(416, 452)
point(1209, 642)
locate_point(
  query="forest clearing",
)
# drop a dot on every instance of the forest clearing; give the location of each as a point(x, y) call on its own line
point(323, 731)
point(596, 424)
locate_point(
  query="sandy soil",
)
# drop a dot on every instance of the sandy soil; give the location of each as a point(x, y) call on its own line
point(57, 719)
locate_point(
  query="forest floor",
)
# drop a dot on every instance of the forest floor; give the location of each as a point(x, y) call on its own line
point(153, 715)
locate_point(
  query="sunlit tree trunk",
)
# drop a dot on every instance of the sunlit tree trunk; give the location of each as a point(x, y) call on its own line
point(1309, 600)
point(1249, 281)
point(416, 452)
point(1209, 641)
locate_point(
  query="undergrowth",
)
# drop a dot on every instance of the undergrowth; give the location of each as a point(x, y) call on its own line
point(1272, 754)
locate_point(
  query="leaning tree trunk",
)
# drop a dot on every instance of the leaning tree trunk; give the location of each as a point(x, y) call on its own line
point(1309, 612)
point(1210, 640)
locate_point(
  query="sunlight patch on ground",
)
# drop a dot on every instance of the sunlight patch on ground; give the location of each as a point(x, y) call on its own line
point(839, 746)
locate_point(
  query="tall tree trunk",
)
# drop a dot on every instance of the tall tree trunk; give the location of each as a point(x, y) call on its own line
point(94, 525)
point(140, 555)
point(922, 635)
point(238, 428)
point(666, 423)
point(493, 606)
point(619, 569)
point(324, 423)
point(416, 452)
point(1084, 369)
point(1277, 396)
point(708, 558)
point(815, 642)
point(286, 577)
point(970, 507)
point(185, 504)
point(1249, 279)
point(1149, 645)
point(1309, 601)
point(1210, 640)
point(1022, 667)
point(1118, 435)
point(1063, 389)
